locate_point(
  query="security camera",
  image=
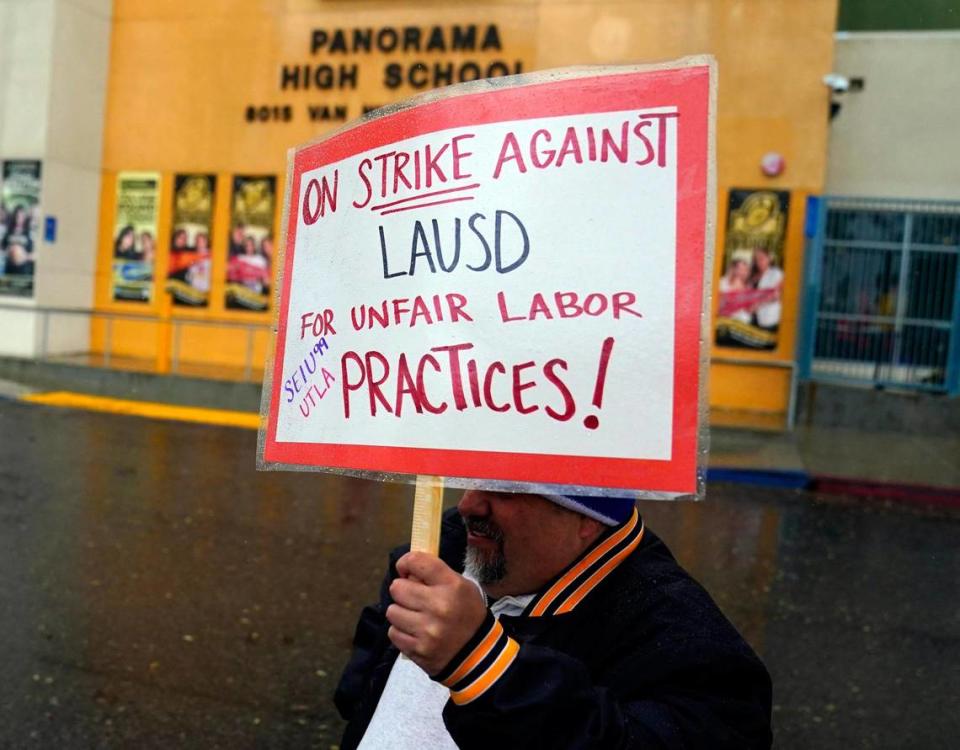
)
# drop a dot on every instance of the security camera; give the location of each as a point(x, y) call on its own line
point(837, 83)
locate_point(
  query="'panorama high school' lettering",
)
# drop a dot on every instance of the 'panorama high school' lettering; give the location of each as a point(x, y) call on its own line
point(455, 38)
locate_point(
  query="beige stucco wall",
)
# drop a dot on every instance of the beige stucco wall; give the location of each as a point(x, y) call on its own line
point(53, 71)
point(899, 136)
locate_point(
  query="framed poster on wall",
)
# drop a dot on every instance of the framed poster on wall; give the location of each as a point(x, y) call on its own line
point(19, 225)
point(135, 235)
point(250, 253)
point(188, 273)
point(751, 284)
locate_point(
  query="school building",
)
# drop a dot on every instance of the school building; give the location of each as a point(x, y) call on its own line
point(152, 136)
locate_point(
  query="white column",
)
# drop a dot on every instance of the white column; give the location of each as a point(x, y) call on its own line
point(54, 57)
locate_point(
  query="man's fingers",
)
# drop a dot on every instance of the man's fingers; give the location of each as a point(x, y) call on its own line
point(425, 567)
point(408, 621)
point(403, 641)
point(410, 593)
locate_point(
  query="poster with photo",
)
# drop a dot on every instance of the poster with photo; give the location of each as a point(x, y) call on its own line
point(250, 253)
point(188, 273)
point(751, 284)
point(19, 226)
point(135, 235)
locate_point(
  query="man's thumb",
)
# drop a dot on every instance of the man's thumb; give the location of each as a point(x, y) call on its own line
point(423, 566)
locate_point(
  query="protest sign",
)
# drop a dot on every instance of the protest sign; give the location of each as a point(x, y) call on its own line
point(502, 283)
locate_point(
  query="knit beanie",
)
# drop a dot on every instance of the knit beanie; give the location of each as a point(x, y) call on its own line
point(611, 511)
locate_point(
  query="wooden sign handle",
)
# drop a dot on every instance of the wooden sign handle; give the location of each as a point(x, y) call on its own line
point(427, 510)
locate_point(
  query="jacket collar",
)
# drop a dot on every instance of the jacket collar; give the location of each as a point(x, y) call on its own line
point(572, 586)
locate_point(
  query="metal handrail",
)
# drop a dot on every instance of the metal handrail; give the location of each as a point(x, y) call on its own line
point(176, 323)
point(892, 204)
point(112, 314)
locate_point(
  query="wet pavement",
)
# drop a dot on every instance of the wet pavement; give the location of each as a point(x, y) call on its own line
point(157, 592)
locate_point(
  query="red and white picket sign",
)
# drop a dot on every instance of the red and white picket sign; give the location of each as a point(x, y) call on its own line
point(502, 284)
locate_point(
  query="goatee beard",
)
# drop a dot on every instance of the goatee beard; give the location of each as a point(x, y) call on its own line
point(484, 566)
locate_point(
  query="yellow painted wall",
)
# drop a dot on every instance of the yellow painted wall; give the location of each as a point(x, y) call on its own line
point(182, 75)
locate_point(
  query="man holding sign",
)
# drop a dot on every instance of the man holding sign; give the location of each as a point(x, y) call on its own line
point(584, 633)
point(501, 284)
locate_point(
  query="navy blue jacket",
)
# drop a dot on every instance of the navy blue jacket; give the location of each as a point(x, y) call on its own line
point(623, 650)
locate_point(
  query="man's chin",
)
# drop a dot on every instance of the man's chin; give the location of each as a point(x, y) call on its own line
point(486, 566)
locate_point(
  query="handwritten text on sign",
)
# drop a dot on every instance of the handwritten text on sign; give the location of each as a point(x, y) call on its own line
point(508, 287)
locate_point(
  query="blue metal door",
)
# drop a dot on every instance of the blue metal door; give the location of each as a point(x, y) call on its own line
point(882, 293)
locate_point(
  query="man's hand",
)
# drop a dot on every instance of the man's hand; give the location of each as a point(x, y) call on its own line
point(435, 611)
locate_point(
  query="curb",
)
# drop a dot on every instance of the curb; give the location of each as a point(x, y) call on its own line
point(783, 478)
point(913, 494)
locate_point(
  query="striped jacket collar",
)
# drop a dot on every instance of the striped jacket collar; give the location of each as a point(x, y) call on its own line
point(583, 575)
point(488, 655)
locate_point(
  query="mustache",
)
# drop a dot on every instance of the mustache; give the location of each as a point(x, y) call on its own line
point(483, 527)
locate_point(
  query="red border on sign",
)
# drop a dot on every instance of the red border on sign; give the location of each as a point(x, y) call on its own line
point(688, 89)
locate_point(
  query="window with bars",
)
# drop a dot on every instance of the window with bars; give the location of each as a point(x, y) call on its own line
point(884, 294)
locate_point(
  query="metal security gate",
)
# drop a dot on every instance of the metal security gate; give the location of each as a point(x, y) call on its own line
point(882, 293)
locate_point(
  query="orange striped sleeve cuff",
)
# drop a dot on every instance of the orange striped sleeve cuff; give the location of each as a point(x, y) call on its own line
point(480, 663)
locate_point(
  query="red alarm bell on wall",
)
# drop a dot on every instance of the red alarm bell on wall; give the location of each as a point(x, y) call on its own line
point(772, 164)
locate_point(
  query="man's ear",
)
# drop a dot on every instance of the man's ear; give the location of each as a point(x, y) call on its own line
point(590, 529)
